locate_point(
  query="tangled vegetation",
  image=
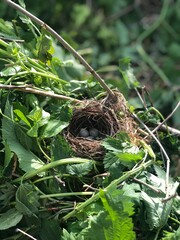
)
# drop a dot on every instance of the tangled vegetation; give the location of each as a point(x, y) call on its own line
point(57, 184)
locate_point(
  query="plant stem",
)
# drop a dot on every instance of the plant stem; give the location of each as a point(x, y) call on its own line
point(163, 150)
point(111, 185)
point(33, 90)
point(67, 194)
point(64, 43)
point(48, 166)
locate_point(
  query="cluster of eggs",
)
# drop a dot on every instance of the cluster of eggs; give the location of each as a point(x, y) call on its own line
point(92, 133)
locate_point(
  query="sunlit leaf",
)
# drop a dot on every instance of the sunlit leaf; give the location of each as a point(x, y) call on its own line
point(28, 161)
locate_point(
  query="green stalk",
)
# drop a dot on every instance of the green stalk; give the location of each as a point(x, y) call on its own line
point(45, 74)
point(48, 166)
point(111, 185)
point(68, 194)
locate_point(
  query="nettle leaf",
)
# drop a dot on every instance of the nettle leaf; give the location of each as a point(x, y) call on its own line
point(10, 219)
point(27, 160)
point(122, 150)
point(129, 159)
point(27, 200)
point(127, 73)
point(157, 212)
point(118, 143)
point(79, 170)
point(118, 209)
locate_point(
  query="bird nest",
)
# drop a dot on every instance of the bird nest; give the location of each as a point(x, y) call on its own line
point(92, 121)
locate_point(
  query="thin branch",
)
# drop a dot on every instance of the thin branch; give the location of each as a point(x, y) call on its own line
point(147, 185)
point(170, 115)
point(173, 131)
point(163, 150)
point(26, 234)
point(64, 43)
point(26, 88)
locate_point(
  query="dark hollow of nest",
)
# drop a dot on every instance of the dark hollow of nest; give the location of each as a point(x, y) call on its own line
point(109, 116)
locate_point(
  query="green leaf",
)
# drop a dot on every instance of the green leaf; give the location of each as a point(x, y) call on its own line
point(79, 169)
point(127, 73)
point(27, 200)
point(120, 225)
point(27, 160)
point(157, 212)
point(52, 128)
point(172, 235)
point(10, 71)
point(50, 230)
point(22, 117)
point(60, 148)
point(68, 236)
point(129, 159)
point(118, 143)
point(10, 219)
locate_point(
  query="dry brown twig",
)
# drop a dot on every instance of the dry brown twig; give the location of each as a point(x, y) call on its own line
point(29, 89)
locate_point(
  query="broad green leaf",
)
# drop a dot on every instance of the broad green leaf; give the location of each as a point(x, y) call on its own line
point(23, 138)
point(27, 200)
point(8, 155)
point(27, 160)
point(52, 128)
point(50, 229)
point(157, 212)
point(10, 219)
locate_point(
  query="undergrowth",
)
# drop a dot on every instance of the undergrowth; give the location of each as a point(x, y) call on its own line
point(46, 191)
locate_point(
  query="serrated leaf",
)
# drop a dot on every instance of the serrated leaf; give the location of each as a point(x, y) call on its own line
point(118, 143)
point(79, 169)
point(10, 219)
point(120, 225)
point(129, 159)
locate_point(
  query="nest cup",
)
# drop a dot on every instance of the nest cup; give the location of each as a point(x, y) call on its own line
point(109, 116)
point(91, 114)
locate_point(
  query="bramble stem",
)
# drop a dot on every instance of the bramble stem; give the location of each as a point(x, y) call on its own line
point(64, 43)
